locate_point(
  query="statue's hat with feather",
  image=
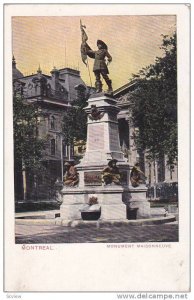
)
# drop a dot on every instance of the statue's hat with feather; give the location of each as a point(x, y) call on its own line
point(104, 46)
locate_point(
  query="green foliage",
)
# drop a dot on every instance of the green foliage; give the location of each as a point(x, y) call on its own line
point(154, 105)
point(75, 120)
point(27, 145)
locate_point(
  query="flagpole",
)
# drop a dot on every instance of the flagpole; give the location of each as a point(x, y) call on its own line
point(65, 56)
point(89, 72)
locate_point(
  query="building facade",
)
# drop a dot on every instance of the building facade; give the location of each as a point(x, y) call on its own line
point(53, 96)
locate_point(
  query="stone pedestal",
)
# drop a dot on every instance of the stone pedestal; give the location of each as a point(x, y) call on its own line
point(102, 131)
point(111, 200)
point(103, 145)
point(138, 200)
point(102, 141)
point(73, 200)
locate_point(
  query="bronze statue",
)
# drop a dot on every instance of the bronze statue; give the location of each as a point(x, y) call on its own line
point(111, 173)
point(100, 66)
point(71, 177)
point(137, 177)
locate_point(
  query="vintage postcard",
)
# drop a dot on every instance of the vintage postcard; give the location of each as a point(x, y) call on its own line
point(97, 106)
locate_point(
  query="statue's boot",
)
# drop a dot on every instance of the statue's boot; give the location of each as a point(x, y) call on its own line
point(98, 85)
point(109, 83)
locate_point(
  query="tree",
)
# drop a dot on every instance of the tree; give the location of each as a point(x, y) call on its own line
point(154, 105)
point(28, 146)
point(75, 119)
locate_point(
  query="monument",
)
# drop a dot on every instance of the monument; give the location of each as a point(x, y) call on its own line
point(104, 174)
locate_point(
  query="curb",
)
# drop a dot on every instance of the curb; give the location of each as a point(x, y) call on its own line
point(100, 223)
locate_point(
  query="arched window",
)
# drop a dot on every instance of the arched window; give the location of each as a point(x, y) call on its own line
point(53, 147)
point(53, 123)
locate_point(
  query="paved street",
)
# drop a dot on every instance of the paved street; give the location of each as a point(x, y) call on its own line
point(29, 234)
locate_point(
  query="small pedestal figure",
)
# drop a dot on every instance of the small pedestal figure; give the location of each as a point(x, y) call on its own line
point(111, 174)
point(137, 177)
point(71, 177)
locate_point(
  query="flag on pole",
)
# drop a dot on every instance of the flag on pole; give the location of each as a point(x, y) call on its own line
point(84, 46)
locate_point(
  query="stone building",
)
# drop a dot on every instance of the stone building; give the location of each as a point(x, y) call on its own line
point(53, 96)
point(156, 173)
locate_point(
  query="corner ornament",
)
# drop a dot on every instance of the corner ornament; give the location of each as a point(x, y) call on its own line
point(95, 114)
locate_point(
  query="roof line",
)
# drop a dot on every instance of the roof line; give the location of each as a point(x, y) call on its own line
point(54, 102)
point(34, 75)
point(124, 87)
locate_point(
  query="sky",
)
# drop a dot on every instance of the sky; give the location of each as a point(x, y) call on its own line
point(133, 42)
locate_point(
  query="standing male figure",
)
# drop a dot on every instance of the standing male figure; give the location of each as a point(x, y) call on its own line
point(100, 66)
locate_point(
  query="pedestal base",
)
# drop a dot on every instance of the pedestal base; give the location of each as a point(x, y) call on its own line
point(72, 201)
point(113, 212)
point(139, 201)
point(71, 212)
point(110, 199)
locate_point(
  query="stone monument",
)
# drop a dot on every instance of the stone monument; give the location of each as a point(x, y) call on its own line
point(111, 189)
point(103, 146)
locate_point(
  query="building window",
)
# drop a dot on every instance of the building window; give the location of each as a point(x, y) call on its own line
point(68, 151)
point(64, 149)
point(72, 150)
point(53, 122)
point(53, 147)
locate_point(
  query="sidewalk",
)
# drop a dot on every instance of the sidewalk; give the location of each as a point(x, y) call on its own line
point(42, 234)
